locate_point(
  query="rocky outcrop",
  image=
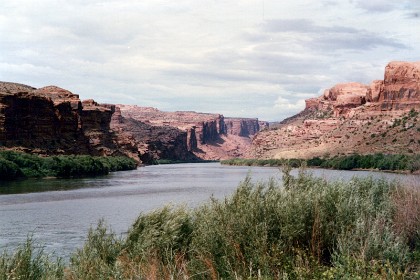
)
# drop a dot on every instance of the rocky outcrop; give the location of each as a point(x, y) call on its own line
point(153, 142)
point(51, 120)
point(96, 122)
point(352, 117)
point(208, 136)
point(400, 90)
point(31, 120)
point(401, 87)
point(245, 127)
point(201, 127)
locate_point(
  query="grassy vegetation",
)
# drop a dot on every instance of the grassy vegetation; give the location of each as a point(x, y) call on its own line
point(375, 161)
point(305, 228)
point(14, 165)
point(263, 162)
point(172, 161)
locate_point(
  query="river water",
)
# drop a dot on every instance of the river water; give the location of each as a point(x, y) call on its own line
point(59, 213)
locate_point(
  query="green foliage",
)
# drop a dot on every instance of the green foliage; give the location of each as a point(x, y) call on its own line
point(97, 259)
point(263, 162)
point(305, 228)
point(29, 263)
point(14, 165)
point(9, 170)
point(160, 232)
point(413, 113)
point(374, 161)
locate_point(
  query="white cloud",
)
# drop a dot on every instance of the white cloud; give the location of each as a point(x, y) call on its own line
point(286, 104)
point(378, 5)
point(236, 58)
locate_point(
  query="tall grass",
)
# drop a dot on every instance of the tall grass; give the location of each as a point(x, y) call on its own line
point(29, 262)
point(305, 228)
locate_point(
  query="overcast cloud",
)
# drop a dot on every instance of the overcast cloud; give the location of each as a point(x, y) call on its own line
point(249, 58)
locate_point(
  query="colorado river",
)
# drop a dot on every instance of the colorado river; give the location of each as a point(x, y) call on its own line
point(58, 213)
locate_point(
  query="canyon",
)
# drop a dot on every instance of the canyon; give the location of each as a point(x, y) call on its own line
point(349, 118)
point(201, 135)
point(52, 120)
point(381, 117)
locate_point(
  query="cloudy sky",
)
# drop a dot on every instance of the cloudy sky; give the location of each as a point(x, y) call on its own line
point(250, 58)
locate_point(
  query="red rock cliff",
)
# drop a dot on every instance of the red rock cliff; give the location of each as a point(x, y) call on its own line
point(208, 135)
point(245, 127)
point(353, 118)
point(153, 142)
point(52, 120)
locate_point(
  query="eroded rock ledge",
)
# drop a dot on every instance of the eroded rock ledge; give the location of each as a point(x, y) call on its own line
point(352, 118)
point(52, 120)
point(206, 136)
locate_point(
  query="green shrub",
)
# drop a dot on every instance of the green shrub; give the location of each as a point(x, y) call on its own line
point(15, 165)
point(9, 170)
point(97, 259)
point(304, 228)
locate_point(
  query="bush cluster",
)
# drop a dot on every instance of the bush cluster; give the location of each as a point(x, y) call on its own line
point(263, 162)
point(305, 228)
point(391, 162)
point(14, 165)
point(373, 161)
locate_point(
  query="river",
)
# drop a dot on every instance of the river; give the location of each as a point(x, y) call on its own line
point(59, 213)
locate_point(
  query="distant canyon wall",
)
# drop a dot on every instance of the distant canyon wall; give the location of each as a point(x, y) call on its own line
point(348, 118)
point(208, 136)
point(52, 120)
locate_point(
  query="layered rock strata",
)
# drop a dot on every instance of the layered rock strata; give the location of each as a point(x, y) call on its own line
point(208, 136)
point(245, 127)
point(352, 118)
point(153, 142)
point(51, 120)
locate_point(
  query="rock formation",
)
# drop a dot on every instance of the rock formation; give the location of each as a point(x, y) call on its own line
point(153, 142)
point(52, 120)
point(352, 118)
point(208, 136)
point(245, 127)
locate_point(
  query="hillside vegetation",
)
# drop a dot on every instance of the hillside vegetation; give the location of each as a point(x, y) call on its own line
point(15, 165)
point(305, 228)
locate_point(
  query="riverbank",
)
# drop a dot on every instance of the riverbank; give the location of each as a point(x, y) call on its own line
point(305, 228)
point(381, 162)
point(171, 161)
point(16, 165)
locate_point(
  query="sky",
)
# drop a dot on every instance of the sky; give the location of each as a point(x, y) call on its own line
point(244, 58)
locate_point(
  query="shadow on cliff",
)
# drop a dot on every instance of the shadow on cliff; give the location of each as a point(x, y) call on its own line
point(217, 142)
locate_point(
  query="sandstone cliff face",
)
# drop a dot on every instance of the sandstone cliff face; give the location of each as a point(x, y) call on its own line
point(352, 118)
point(245, 127)
point(205, 127)
point(96, 121)
point(401, 86)
point(399, 91)
point(153, 142)
point(52, 120)
point(33, 121)
point(208, 136)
